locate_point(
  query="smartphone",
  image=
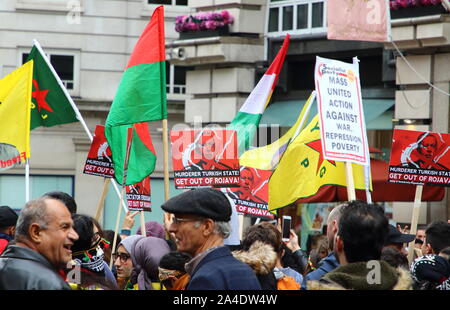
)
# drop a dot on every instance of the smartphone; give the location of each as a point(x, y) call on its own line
point(286, 228)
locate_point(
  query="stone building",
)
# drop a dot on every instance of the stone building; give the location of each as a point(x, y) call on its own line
point(89, 43)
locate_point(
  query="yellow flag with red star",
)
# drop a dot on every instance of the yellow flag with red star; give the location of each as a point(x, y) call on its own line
point(15, 102)
point(302, 170)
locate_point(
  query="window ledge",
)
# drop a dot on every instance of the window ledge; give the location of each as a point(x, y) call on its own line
point(50, 5)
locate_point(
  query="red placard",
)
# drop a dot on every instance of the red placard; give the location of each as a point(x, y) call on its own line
point(205, 158)
point(99, 160)
point(420, 158)
point(252, 195)
point(139, 196)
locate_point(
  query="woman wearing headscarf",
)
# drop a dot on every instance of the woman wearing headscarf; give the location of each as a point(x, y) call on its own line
point(146, 255)
point(124, 264)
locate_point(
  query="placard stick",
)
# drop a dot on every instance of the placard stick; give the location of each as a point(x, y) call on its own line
point(351, 195)
point(414, 220)
point(143, 232)
point(241, 226)
point(124, 181)
point(165, 137)
point(101, 203)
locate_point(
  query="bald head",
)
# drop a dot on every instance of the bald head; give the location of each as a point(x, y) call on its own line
point(333, 224)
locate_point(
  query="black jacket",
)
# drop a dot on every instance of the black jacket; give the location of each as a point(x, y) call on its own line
point(24, 269)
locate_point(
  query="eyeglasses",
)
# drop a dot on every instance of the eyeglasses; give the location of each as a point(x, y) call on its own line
point(122, 256)
point(178, 220)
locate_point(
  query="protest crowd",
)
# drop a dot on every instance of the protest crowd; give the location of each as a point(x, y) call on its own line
point(49, 246)
point(201, 243)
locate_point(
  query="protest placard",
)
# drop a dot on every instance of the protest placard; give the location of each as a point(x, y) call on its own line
point(252, 195)
point(99, 160)
point(341, 116)
point(205, 158)
point(420, 158)
point(139, 196)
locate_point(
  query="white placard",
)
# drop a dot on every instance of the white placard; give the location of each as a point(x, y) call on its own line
point(343, 129)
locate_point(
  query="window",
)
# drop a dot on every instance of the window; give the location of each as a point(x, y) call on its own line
point(64, 66)
point(168, 2)
point(175, 79)
point(12, 187)
point(296, 17)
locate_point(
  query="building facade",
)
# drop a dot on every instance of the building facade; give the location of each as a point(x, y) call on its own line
point(88, 43)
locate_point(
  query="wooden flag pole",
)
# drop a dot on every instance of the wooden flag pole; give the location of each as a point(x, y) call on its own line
point(165, 137)
point(117, 225)
point(415, 220)
point(241, 226)
point(350, 183)
point(101, 203)
point(125, 167)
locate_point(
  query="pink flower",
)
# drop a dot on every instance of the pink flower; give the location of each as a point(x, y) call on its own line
point(203, 21)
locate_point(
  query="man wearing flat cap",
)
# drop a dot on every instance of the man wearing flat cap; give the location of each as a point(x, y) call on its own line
point(8, 220)
point(200, 225)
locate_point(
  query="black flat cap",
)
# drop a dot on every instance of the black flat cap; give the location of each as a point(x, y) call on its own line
point(7, 216)
point(205, 202)
point(396, 236)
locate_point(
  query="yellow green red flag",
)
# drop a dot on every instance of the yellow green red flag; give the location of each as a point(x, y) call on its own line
point(302, 170)
point(15, 108)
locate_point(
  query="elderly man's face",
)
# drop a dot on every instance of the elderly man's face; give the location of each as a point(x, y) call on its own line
point(57, 239)
point(427, 146)
point(188, 237)
point(246, 180)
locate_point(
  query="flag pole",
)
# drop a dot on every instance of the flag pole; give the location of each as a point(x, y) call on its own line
point(350, 182)
point(101, 203)
point(143, 232)
point(75, 108)
point(124, 179)
point(165, 133)
point(27, 180)
point(414, 220)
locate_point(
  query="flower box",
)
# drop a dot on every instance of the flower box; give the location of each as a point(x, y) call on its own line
point(415, 8)
point(203, 24)
point(186, 35)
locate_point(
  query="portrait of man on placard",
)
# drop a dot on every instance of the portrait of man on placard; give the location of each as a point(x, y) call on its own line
point(206, 152)
point(425, 153)
point(252, 186)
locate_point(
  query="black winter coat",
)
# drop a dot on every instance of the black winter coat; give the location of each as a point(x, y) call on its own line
point(24, 269)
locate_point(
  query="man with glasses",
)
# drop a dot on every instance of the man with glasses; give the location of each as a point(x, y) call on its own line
point(200, 225)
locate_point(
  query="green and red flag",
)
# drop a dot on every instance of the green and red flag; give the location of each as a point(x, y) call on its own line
point(50, 104)
point(140, 98)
